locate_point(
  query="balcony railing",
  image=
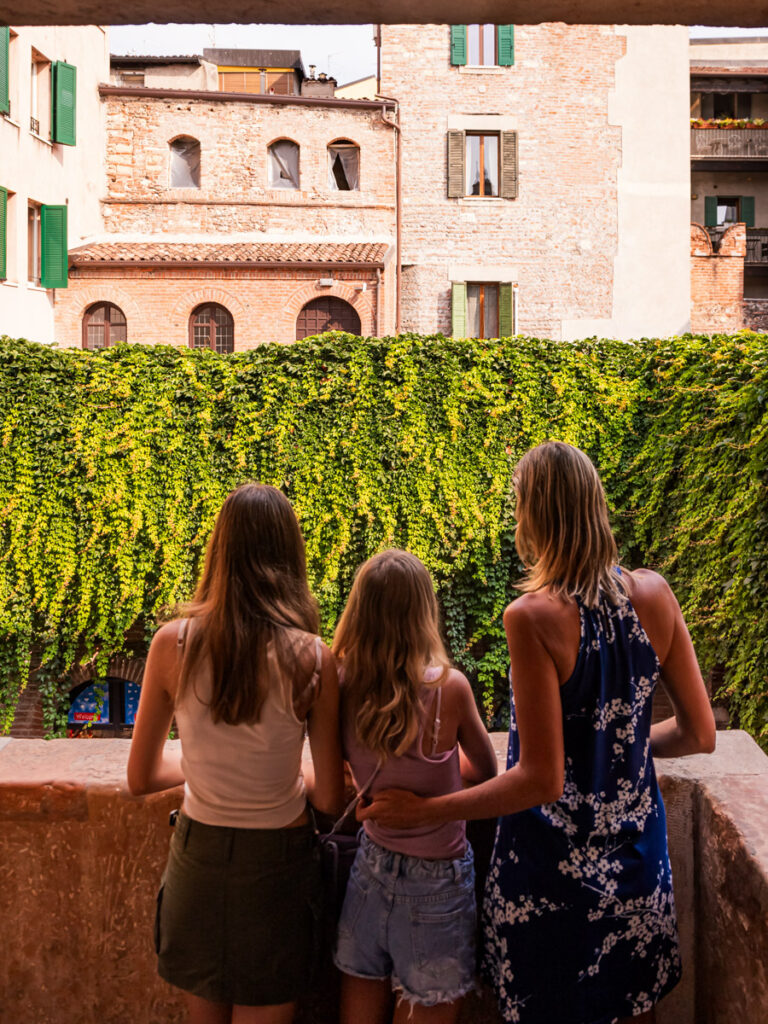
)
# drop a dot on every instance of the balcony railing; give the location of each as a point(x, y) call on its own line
point(731, 143)
point(757, 245)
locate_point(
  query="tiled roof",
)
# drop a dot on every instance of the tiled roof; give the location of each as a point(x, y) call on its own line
point(238, 58)
point(140, 59)
point(229, 252)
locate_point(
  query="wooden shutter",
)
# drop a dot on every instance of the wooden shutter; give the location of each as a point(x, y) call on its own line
point(64, 88)
point(53, 247)
point(5, 81)
point(458, 44)
point(505, 45)
point(3, 233)
point(456, 186)
point(459, 310)
point(508, 165)
point(506, 311)
point(748, 210)
point(710, 211)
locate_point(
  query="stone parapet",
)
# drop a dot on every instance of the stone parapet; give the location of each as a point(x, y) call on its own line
point(81, 861)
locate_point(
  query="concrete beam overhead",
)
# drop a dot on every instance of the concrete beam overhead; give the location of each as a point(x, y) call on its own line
point(748, 13)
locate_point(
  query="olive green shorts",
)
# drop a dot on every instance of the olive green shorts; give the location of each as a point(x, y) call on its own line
point(239, 913)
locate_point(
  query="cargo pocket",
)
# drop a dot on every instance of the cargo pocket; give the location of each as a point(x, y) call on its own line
point(158, 911)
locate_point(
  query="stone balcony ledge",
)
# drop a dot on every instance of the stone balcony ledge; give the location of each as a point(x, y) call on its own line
point(81, 860)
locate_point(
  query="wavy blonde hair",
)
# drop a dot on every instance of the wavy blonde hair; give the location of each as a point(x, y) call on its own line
point(563, 535)
point(388, 634)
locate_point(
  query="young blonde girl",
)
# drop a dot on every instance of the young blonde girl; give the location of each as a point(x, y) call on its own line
point(408, 922)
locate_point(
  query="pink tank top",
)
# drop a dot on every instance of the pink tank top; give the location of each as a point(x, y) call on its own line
point(426, 776)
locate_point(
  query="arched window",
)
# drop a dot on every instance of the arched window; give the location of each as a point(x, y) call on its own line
point(283, 160)
point(327, 314)
point(103, 325)
point(185, 163)
point(344, 166)
point(212, 326)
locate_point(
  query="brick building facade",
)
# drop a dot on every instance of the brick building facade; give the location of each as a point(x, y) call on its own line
point(592, 234)
point(228, 233)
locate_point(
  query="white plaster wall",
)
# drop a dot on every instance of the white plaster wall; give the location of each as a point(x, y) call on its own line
point(733, 49)
point(651, 286)
point(50, 173)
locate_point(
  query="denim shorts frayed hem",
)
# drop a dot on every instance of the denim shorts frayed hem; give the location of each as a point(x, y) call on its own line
point(411, 920)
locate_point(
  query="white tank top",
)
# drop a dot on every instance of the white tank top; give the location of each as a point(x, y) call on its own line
point(243, 776)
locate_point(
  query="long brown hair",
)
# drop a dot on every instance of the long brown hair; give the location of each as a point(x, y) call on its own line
point(563, 535)
point(253, 591)
point(388, 634)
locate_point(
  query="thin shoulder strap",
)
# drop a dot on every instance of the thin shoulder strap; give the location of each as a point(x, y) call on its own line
point(181, 635)
point(436, 723)
point(318, 658)
point(355, 800)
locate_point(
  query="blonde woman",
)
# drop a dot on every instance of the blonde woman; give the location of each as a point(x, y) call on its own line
point(245, 675)
point(579, 917)
point(408, 719)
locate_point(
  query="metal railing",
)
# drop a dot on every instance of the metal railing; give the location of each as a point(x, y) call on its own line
point(729, 142)
point(757, 245)
point(34, 125)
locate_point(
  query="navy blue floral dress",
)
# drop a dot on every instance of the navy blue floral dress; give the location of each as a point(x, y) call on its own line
point(579, 918)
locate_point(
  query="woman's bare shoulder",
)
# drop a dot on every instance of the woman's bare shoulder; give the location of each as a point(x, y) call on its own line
point(538, 607)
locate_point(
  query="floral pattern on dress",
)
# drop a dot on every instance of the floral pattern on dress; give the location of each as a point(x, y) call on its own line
point(579, 919)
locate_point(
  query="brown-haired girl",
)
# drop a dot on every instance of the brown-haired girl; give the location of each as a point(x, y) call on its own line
point(408, 920)
point(579, 918)
point(245, 675)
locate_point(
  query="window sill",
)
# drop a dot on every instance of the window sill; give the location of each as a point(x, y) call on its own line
point(471, 200)
point(32, 287)
point(9, 284)
point(483, 69)
point(45, 142)
point(9, 120)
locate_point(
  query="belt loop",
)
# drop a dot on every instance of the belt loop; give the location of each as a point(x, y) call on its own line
point(457, 870)
point(186, 824)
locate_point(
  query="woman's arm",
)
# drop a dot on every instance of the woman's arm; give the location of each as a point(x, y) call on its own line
point(325, 781)
point(538, 776)
point(692, 730)
point(150, 768)
point(476, 753)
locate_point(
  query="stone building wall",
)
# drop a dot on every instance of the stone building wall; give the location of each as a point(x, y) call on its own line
point(596, 221)
point(264, 304)
point(234, 195)
point(717, 280)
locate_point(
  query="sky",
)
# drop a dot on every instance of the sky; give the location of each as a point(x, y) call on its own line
point(344, 51)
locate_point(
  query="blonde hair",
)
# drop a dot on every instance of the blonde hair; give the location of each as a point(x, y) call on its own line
point(563, 535)
point(387, 636)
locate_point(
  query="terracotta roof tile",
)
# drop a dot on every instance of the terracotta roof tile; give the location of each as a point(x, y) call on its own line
point(229, 252)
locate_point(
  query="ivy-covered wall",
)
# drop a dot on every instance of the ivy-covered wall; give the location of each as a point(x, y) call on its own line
point(114, 464)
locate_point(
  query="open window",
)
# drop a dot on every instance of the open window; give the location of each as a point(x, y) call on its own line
point(483, 45)
point(482, 310)
point(283, 159)
point(344, 166)
point(40, 95)
point(482, 164)
point(185, 163)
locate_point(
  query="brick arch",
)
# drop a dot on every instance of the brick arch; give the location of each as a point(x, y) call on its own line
point(701, 243)
point(199, 297)
point(362, 302)
point(283, 138)
point(184, 135)
point(344, 138)
point(107, 291)
point(119, 667)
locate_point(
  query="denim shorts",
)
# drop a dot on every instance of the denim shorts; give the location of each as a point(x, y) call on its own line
point(410, 920)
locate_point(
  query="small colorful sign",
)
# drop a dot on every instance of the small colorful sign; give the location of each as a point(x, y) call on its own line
point(131, 692)
point(90, 705)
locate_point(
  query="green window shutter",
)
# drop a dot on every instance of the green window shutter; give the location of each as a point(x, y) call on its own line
point(3, 233)
point(53, 247)
point(5, 81)
point(710, 211)
point(456, 185)
point(748, 210)
point(508, 165)
point(505, 45)
point(64, 88)
point(458, 44)
point(506, 311)
point(459, 310)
